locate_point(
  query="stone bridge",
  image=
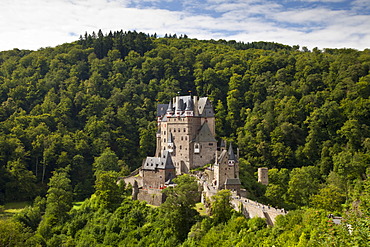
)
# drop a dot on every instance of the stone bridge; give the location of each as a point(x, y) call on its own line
point(252, 209)
point(246, 206)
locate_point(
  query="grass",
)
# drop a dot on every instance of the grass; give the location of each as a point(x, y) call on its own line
point(12, 208)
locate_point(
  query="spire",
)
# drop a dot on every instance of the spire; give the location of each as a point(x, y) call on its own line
point(189, 105)
point(170, 108)
point(231, 153)
point(189, 110)
point(179, 106)
point(222, 145)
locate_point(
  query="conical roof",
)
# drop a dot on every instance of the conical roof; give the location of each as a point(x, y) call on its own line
point(189, 105)
point(231, 153)
point(170, 107)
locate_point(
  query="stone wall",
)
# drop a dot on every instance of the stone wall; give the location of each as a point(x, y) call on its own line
point(252, 209)
point(151, 196)
point(131, 180)
point(206, 155)
point(248, 207)
point(153, 179)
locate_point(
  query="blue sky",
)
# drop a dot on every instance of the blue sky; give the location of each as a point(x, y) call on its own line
point(32, 24)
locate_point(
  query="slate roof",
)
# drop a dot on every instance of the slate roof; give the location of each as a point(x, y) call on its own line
point(232, 181)
point(161, 109)
point(204, 109)
point(163, 162)
point(221, 157)
point(170, 107)
point(222, 143)
point(204, 134)
point(186, 103)
point(231, 153)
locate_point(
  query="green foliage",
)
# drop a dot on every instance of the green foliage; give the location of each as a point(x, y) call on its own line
point(178, 208)
point(303, 183)
point(58, 203)
point(12, 233)
point(221, 209)
point(107, 161)
point(90, 105)
point(108, 193)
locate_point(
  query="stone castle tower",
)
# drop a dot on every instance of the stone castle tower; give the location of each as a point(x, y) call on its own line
point(185, 140)
point(226, 170)
point(263, 175)
point(186, 129)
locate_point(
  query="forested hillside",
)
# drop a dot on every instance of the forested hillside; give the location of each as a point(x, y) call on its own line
point(85, 111)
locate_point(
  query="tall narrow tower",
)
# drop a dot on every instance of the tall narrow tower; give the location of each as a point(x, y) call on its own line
point(187, 131)
point(263, 177)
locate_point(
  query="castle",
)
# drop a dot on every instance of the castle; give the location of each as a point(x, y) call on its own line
point(185, 141)
point(186, 129)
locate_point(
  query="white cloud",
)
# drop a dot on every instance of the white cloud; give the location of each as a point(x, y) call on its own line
point(320, 16)
point(38, 23)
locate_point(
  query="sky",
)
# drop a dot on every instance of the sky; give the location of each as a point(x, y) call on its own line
point(33, 24)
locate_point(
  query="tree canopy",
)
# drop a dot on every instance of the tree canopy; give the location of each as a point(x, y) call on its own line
point(90, 106)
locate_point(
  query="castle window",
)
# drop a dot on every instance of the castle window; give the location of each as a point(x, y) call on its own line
point(184, 130)
point(210, 144)
point(178, 129)
point(164, 140)
point(186, 138)
point(164, 132)
point(180, 147)
point(174, 130)
point(182, 138)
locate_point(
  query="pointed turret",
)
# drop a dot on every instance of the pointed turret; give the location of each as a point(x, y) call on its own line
point(189, 110)
point(232, 157)
point(179, 106)
point(222, 145)
point(170, 109)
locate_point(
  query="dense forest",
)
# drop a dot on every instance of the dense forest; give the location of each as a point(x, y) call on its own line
point(75, 117)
